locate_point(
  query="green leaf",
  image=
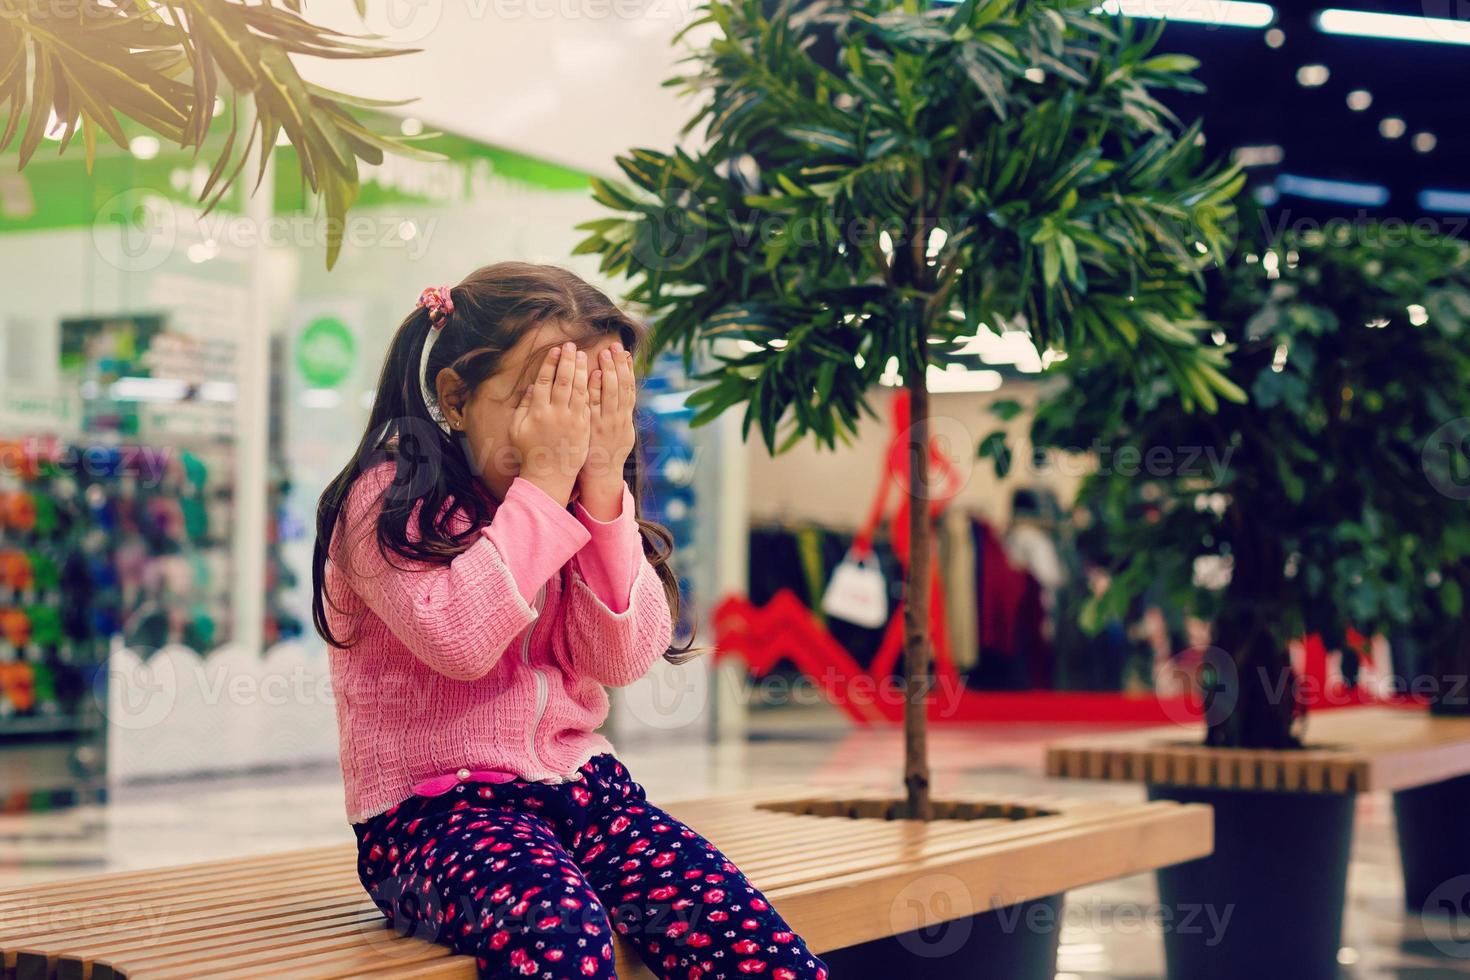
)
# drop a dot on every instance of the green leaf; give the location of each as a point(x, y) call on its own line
point(1006, 409)
point(994, 448)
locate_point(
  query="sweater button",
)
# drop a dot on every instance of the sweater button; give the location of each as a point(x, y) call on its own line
point(463, 774)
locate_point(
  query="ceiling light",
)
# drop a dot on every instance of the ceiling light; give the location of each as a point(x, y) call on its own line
point(1425, 142)
point(1455, 202)
point(144, 147)
point(942, 381)
point(132, 389)
point(1312, 76)
point(321, 398)
point(1258, 156)
point(1359, 99)
point(1275, 37)
point(1396, 27)
point(1340, 191)
point(1220, 13)
point(1392, 127)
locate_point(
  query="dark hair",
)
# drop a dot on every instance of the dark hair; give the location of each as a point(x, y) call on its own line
point(494, 307)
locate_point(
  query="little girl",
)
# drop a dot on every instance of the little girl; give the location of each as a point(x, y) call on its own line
point(481, 574)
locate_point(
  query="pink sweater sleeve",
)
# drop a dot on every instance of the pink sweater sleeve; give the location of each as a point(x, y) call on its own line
point(609, 561)
point(535, 535)
point(618, 620)
point(460, 617)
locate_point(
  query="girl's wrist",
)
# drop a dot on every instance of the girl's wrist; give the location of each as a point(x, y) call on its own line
point(556, 487)
point(602, 499)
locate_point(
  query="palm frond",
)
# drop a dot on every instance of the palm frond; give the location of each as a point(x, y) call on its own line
point(171, 66)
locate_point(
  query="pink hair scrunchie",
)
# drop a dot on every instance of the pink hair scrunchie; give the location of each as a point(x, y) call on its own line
point(437, 301)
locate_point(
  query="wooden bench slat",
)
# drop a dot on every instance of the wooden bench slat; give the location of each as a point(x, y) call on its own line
point(116, 880)
point(1356, 749)
point(149, 911)
point(264, 921)
point(834, 877)
point(172, 880)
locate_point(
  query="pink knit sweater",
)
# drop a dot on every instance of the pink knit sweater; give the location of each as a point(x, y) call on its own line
point(453, 668)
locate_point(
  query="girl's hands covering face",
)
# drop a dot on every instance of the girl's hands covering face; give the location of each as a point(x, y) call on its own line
point(611, 395)
point(551, 424)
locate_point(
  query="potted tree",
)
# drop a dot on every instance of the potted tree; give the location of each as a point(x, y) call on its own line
point(874, 181)
point(1319, 515)
point(1432, 845)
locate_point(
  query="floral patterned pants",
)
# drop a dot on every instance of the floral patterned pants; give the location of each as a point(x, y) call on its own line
point(532, 880)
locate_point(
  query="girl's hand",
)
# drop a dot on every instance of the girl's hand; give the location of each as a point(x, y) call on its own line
point(550, 427)
point(611, 395)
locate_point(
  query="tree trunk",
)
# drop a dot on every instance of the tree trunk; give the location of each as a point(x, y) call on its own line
point(1451, 656)
point(916, 601)
point(1254, 708)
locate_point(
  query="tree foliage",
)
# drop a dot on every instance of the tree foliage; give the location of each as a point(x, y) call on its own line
point(871, 172)
point(1337, 496)
point(83, 67)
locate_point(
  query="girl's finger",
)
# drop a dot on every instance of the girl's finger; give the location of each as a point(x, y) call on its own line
point(547, 375)
point(579, 380)
point(609, 382)
point(627, 393)
point(594, 391)
point(523, 407)
point(566, 370)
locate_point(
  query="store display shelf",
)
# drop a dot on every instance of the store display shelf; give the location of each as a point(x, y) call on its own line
point(59, 725)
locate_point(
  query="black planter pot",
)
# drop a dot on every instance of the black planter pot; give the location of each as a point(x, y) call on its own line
point(1268, 902)
point(1433, 844)
point(1453, 705)
point(1018, 942)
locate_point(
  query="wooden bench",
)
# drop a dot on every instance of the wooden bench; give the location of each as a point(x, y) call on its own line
point(837, 880)
point(1348, 750)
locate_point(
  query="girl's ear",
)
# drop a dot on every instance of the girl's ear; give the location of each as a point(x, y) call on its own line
point(450, 388)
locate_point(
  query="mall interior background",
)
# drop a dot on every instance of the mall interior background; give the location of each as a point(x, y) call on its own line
point(209, 381)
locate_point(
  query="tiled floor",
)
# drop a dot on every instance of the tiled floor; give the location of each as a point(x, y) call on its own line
point(1107, 933)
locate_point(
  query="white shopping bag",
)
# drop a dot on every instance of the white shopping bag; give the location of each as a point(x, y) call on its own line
point(858, 593)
